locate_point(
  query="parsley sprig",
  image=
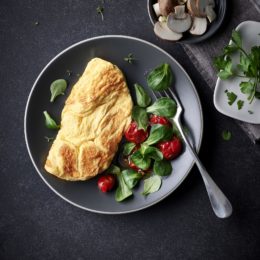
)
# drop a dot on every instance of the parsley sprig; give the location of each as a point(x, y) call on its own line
point(248, 67)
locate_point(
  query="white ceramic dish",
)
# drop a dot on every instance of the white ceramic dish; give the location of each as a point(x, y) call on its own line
point(249, 31)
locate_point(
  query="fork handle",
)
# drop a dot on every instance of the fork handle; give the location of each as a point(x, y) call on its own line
point(219, 202)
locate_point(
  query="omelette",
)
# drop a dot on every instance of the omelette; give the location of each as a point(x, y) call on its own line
point(93, 120)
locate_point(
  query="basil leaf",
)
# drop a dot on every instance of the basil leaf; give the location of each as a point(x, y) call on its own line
point(140, 161)
point(122, 191)
point(158, 133)
point(160, 78)
point(131, 177)
point(162, 168)
point(163, 107)
point(57, 88)
point(49, 122)
point(140, 116)
point(128, 148)
point(142, 98)
point(151, 152)
point(152, 184)
point(113, 169)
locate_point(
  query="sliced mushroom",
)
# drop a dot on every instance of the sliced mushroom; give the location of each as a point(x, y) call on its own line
point(182, 2)
point(156, 9)
point(167, 6)
point(192, 8)
point(162, 19)
point(199, 26)
point(162, 31)
point(211, 3)
point(201, 7)
point(179, 21)
point(211, 15)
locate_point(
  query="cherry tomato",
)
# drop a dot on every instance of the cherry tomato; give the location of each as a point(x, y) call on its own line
point(170, 149)
point(132, 165)
point(154, 119)
point(134, 135)
point(106, 182)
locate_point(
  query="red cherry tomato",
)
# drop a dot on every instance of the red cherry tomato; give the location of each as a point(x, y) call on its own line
point(132, 165)
point(170, 149)
point(134, 135)
point(106, 182)
point(154, 119)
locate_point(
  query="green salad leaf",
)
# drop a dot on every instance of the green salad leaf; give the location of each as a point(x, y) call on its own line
point(159, 133)
point(57, 88)
point(142, 98)
point(140, 160)
point(152, 184)
point(140, 116)
point(240, 104)
point(163, 107)
point(122, 191)
point(162, 168)
point(226, 135)
point(113, 169)
point(131, 177)
point(160, 78)
point(49, 122)
point(128, 148)
point(151, 152)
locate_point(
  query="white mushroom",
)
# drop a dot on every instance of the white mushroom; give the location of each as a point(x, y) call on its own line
point(199, 26)
point(162, 31)
point(162, 19)
point(182, 2)
point(166, 6)
point(211, 15)
point(179, 21)
point(156, 9)
point(201, 6)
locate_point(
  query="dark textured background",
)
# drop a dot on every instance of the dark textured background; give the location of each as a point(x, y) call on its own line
point(36, 224)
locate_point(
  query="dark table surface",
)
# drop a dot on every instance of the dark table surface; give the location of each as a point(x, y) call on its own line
point(36, 224)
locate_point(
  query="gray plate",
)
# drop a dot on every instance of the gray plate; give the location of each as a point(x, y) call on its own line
point(112, 48)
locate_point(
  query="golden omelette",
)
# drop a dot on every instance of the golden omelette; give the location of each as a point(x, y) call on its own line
point(93, 121)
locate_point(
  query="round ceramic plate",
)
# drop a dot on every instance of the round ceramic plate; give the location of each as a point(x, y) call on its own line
point(74, 59)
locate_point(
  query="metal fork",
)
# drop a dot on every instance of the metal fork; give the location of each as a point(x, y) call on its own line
point(219, 202)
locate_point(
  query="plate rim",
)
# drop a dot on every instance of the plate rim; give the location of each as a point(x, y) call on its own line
point(34, 86)
point(216, 103)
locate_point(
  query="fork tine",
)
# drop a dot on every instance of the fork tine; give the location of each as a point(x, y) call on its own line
point(172, 94)
point(156, 94)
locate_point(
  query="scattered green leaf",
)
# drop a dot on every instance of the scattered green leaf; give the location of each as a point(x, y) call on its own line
point(240, 104)
point(226, 135)
point(250, 112)
point(163, 107)
point(113, 169)
point(162, 168)
point(152, 184)
point(57, 88)
point(128, 148)
point(160, 78)
point(129, 58)
point(140, 160)
point(140, 116)
point(142, 98)
point(151, 152)
point(131, 177)
point(231, 97)
point(49, 122)
point(122, 191)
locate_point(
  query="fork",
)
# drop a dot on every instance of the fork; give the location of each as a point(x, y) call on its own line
point(219, 202)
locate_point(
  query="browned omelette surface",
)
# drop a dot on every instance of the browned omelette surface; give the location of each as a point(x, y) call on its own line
point(93, 120)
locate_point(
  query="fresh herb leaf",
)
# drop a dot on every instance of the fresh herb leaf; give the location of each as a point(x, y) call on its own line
point(236, 38)
point(140, 116)
point(57, 88)
point(128, 148)
point(49, 139)
point(152, 184)
point(159, 133)
point(100, 10)
point(140, 160)
point(113, 169)
point(163, 107)
point(240, 104)
point(231, 97)
point(162, 168)
point(142, 98)
point(49, 122)
point(160, 78)
point(131, 177)
point(250, 112)
point(122, 191)
point(226, 135)
point(129, 58)
point(247, 88)
point(151, 152)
